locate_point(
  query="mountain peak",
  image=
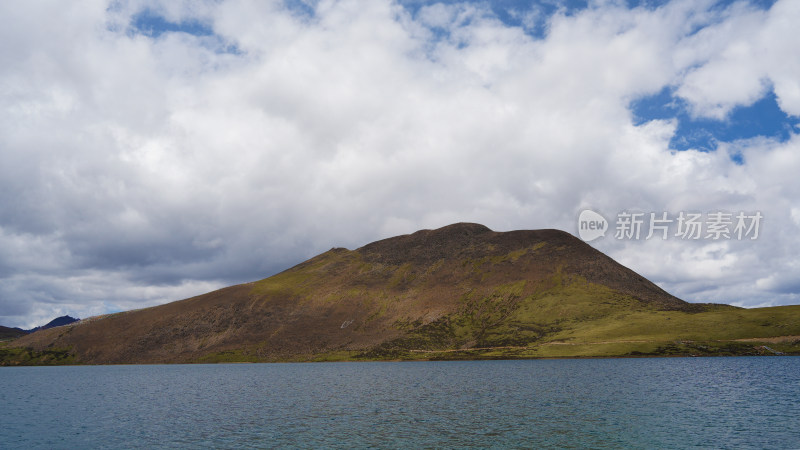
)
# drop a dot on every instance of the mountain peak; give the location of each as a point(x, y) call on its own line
point(462, 240)
point(462, 228)
point(57, 322)
point(426, 246)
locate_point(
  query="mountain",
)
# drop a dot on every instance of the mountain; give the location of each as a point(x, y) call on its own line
point(11, 333)
point(7, 333)
point(57, 322)
point(462, 291)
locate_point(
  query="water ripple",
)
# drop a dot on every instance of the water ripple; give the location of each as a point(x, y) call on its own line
point(605, 403)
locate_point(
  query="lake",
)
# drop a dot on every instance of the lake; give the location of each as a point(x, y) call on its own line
point(598, 403)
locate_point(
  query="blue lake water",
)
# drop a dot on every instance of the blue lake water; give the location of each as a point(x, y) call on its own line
point(599, 403)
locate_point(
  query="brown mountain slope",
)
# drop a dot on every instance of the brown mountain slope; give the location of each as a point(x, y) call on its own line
point(458, 287)
point(10, 333)
point(562, 250)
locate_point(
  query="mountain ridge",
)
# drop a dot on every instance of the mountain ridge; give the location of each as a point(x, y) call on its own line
point(11, 333)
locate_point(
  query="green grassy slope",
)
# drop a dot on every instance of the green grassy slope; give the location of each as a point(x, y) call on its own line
point(580, 319)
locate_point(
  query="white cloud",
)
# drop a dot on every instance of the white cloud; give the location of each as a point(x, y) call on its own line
point(154, 168)
point(737, 60)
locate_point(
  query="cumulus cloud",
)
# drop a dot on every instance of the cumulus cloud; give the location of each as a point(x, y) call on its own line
point(138, 168)
point(739, 59)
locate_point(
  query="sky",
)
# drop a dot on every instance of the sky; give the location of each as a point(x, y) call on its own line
point(152, 151)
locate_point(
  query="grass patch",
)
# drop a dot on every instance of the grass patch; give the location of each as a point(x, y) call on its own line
point(335, 356)
point(20, 356)
point(714, 325)
point(227, 356)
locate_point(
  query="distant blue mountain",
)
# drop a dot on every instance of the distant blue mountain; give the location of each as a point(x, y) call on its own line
point(57, 322)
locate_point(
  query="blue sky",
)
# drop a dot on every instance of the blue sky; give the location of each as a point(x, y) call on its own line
point(764, 118)
point(153, 150)
point(152, 24)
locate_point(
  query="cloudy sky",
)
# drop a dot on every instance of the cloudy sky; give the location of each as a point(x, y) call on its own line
point(151, 151)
